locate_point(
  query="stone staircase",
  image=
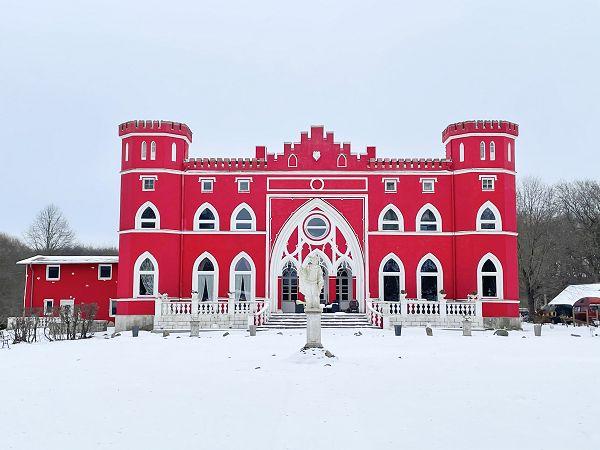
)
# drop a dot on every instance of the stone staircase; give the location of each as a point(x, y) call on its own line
point(328, 320)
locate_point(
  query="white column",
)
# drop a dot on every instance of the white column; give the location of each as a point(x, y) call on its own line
point(194, 305)
point(403, 305)
point(443, 308)
point(231, 305)
point(478, 308)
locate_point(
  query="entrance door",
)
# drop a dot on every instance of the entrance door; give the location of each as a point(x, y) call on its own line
point(289, 288)
point(429, 287)
point(343, 286)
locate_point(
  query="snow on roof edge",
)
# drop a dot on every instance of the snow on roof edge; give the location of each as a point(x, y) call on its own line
point(44, 259)
point(574, 292)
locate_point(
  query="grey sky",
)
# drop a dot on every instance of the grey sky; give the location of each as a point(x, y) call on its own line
point(240, 74)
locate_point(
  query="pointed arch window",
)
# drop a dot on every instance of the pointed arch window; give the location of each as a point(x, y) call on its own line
point(292, 161)
point(147, 217)
point(127, 152)
point(144, 151)
point(482, 150)
point(243, 279)
point(173, 152)
point(492, 151)
point(153, 150)
point(461, 152)
point(342, 161)
point(145, 281)
point(206, 283)
point(490, 277)
point(488, 218)
point(429, 278)
point(206, 218)
point(390, 279)
point(429, 219)
point(243, 219)
point(509, 153)
point(391, 219)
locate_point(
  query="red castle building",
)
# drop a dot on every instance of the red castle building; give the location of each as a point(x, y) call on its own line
point(409, 241)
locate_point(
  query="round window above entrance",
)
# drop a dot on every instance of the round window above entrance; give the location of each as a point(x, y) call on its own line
point(316, 227)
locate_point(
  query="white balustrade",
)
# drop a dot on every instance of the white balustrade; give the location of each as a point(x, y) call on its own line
point(415, 307)
point(263, 313)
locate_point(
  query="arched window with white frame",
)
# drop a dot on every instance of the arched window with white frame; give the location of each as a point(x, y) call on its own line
point(205, 278)
point(292, 161)
point(242, 278)
point(342, 161)
point(390, 219)
point(461, 152)
point(488, 218)
point(428, 219)
point(509, 153)
point(153, 150)
point(492, 151)
point(243, 218)
point(490, 277)
point(144, 151)
point(145, 276)
point(206, 218)
point(147, 217)
point(173, 152)
point(391, 278)
point(430, 278)
point(482, 151)
point(127, 152)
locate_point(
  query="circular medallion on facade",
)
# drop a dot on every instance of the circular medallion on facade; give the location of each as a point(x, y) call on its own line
point(316, 227)
point(317, 184)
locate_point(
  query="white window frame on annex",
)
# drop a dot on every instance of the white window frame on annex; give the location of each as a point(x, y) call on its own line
point(196, 224)
point(210, 180)
point(136, 275)
point(196, 272)
point(428, 181)
point(499, 276)
point(48, 270)
point(239, 181)
point(394, 185)
point(497, 222)
point(100, 270)
point(381, 273)
point(440, 274)
point(47, 310)
point(436, 213)
point(491, 178)
point(138, 217)
point(252, 274)
point(143, 179)
point(381, 221)
point(233, 221)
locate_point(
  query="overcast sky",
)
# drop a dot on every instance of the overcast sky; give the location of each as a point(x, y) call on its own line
point(240, 74)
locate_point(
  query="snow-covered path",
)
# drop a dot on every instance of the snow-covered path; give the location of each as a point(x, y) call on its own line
point(241, 392)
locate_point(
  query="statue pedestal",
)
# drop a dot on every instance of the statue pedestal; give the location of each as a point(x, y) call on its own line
point(313, 328)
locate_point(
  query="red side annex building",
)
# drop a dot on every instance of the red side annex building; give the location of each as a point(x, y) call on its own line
point(220, 240)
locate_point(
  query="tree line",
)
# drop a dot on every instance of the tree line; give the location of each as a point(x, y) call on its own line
point(559, 237)
point(49, 234)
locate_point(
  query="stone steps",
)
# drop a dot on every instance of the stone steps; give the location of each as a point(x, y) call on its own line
point(328, 320)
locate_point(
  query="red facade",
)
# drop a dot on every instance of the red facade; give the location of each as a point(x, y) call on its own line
point(245, 225)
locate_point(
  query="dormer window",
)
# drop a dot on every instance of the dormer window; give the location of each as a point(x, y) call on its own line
point(148, 182)
point(428, 185)
point(243, 184)
point(390, 185)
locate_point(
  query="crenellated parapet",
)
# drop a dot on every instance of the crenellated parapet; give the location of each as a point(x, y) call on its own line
point(225, 164)
point(155, 126)
point(410, 164)
point(480, 126)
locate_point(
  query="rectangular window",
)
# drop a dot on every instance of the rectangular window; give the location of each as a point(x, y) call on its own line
point(148, 184)
point(104, 271)
point(52, 273)
point(206, 185)
point(113, 308)
point(488, 183)
point(428, 185)
point(243, 184)
point(48, 305)
point(390, 184)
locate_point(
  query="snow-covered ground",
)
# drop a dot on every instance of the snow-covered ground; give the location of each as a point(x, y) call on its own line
point(241, 392)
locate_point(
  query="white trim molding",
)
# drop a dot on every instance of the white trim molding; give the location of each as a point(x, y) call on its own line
point(137, 273)
point(439, 274)
point(201, 208)
point(437, 215)
point(497, 222)
point(140, 211)
point(399, 222)
point(401, 273)
point(232, 274)
point(215, 273)
point(499, 274)
point(233, 220)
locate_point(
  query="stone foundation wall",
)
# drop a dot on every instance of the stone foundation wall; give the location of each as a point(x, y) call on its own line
point(182, 322)
point(434, 321)
point(509, 323)
point(125, 323)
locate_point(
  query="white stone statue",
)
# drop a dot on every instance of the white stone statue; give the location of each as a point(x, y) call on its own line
point(311, 283)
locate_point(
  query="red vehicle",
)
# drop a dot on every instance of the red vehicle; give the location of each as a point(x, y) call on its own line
point(586, 309)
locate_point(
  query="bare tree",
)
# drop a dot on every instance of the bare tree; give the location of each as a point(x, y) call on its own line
point(537, 244)
point(50, 232)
